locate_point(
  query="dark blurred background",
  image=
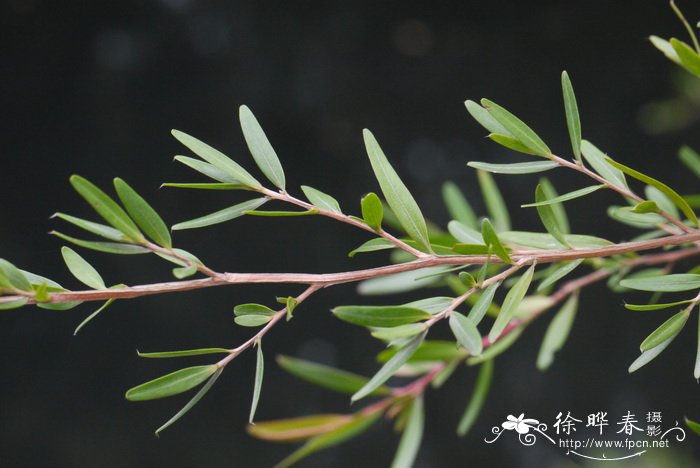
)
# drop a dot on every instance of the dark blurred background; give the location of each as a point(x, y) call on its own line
point(95, 87)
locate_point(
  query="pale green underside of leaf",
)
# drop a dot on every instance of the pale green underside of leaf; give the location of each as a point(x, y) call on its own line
point(666, 330)
point(221, 216)
point(539, 240)
point(625, 215)
point(411, 437)
point(81, 269)
point(466, 333)
point(561, 271)
point(14, 304)
point(479, 309)
point(597, 160)
point(648, 356)
point(495, 205)
point(321, 200)
point(517, 128)
point(510, 303)
point(557, 333)
point(667, 283)
point(464, 233)
point(399, 282)
point(102, 230)
point(666, 48)
point(208, 170)
point(458, 206)
point(486, 120)
point(258, 381)
point(573, 121)
point(549, 217)
point(171, 384)
point(260, 147)
point(515, 168)
point(690, 158)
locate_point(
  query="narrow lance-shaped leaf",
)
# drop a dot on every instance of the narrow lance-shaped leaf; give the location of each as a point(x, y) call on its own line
point(260, 148)
point(457, 205)
point(143, 214)
point(478, 310)
point(464, 233)
point(217, 159)
point(13, 278)
point(221, 216)
point(277, 214)
point(81, 269)
point(390, 367)
point(696, 371)
point(661, 200)
point(207, 169)
point(561, 271)
point(356, 426)
point(95, 228)
point(510, 303)
point(411, 437)
point(372, 210)
point(486, 120)
point(300, 428)
point(195, 399)
point(690, 60)
point(109, 247)
point(566, 197)
point(690, 158)
point(511, 143)
point(491, 239)
point(90, 317)
point(693, 426)
point(107, 208)
point(557, 332)
point(517, 128)
point(666, 48)
point(515, 168)
point(667, 283)
point(205, 186)
point(557, 207)
point(171, 384)
point(184, 352)
point(476, 402)
point(397, 195)
point(597, 159)
point(496, 207)
point(548, 218)
point(325, 376)
point(13, 304)
point(380, 316)
point(647, 307)
point(665, 189)
point(321, 200)
point(466, 333)
point(649, 355)
point(257, 387)
point(666, 330)
point(573, 121)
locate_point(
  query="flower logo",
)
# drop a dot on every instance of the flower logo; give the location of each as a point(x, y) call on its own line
point(521, 425)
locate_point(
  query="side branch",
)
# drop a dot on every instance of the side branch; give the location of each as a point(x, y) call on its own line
point(331, 279)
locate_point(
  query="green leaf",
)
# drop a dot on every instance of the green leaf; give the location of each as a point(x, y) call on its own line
point(510, 303)
point(650, 355)
point(665, 189)
point(107, 208)
point(476, 402)
point(645, 207)
point(466, 333)
point(260, 147)
point(693, 426)
point(625, 215)
point(496, 207)
point(696, 371)
point(397, 195)
point(257, 387)
point(143, 214)
point(184, 272)
point(205, 186)
point(321, 200)
point(496, 348)
point(548, 218)
point(96, 228)
point(661, 200)
point(184, 352)
point(13, 304)
point(471, 249)
point(356, 426)
point(558, 207)
point(561, 271)
point(208, 170)
point(109, 247)
point(540, 240)
point(221, 216)
point(485, 118)
point(380, 316)
point(667, 283)
point(411, 437)
point(293, 429)
point(81, 269)
point(277, 214)
point(390, 367)
point(517, 128)
point(195, 399)
point(666, 330)
point(690, 158)
point(557, 332)
point(566, 197)
point(688, 57)
point(41, 293)
point(12, 277)
point(372, 210)
point(492, 240)
point(171, 384)
point(252, 320)
point(646, 307)
point(511, 143)
point(217, 159)
point(479, 309)
point(252, 309)
point(666, 48)
point(573, 121)
point(464, 233)
point(432, 305)
point(399, 282)
point(327, 377)
point(92, 316)
point(401, 331)
point(429, 351)
point(515, 168)
point(598, 162)
point(457, 205)
point(373, 245)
